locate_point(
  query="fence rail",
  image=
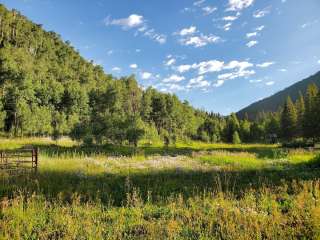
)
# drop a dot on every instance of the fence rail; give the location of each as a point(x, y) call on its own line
point(19, 161)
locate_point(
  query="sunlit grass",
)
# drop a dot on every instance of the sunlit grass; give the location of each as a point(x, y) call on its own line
point(187, 191)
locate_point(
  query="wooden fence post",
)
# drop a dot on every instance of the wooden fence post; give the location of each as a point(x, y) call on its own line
point(35, 153)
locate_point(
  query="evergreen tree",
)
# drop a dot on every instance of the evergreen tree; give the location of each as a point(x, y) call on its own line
point(236, 138)
point(289, 120)
point(310, 118)
point(300, 106)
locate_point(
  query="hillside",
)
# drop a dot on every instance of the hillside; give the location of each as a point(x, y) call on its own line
point(273, 102)
point(48, 89)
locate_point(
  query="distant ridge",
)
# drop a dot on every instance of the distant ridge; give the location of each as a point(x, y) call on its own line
point(273, 102)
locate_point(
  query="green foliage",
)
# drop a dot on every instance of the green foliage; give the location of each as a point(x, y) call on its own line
point(48, 89)
point(310, 122)
point(274, 102)
point(289, 120)
point(236, 138)
point(228, 192)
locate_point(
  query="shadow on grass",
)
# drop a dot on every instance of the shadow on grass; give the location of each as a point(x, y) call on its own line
point(113, 150)
point(158, 185)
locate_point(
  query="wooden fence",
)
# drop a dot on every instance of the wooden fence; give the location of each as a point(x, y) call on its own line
point(20, 161)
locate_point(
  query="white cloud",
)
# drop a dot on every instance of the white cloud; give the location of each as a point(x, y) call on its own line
point(138, 22)
point(188, 31)
point(255, 81)
point(252, 34)
point(174, 78)
point(237, 74)
point(265, 64)
point(251, 44)
point(198, 3)
point(270, 83)
point(230, 18)
point(261, 13)
point(200, 41)
point(198, 82)
point(238, 5)
point(283, 70)
point(240, 65)
point(209, 66)
point(308, 24)
point(132, 21)
point(170, 62)
point(319, 61)
point(227, 26)
point(208, 10)
point(116, 69)
point(183, 68)
point(133, 66)
point(160, 38)
point(218, 83)
point(146, 75)
point(260, 28)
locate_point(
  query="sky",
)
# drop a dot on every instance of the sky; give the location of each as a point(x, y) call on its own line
point(220, 55)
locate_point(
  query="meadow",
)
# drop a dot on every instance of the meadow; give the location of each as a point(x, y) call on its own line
point(188, 191)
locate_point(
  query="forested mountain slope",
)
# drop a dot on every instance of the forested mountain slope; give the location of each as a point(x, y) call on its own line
point(47, 88)
point(272, 103)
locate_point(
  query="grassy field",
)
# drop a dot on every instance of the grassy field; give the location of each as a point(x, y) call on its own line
point(189, 191)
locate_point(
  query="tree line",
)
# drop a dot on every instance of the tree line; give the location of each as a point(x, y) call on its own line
point(48, 89)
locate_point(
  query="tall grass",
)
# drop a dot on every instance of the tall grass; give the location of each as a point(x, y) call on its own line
point(187, 191)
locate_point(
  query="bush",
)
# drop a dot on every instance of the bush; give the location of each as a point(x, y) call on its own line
point(298, 144)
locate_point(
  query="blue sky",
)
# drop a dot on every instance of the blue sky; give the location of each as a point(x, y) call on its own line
point(220, 55)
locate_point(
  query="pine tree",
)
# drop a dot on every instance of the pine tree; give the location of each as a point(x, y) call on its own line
point(289, 120)
point(310, 120)
point(317, 114)
point(236, 138)
point(300, 106)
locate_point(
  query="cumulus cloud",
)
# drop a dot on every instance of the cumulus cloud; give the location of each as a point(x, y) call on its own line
point(146, 75)
point(198, 82)
point(132, 21)
point(133, 66)
point(270, 83)
point(237, 64)
point(153, 35)
point(170, 62)
point(260, 28)
point(116, 69)
point(200, 41)
point(218, 83)
point(236, 74)
point(209, 66)
point(230, 18)
point(184, 68)
point(198, 3)
point(208, 10)
point(261, 13)
point(188, 31)
point(137, 22)
point(238, 5)
point(173, 78)
point(319, 61)
point(265, 64)
point(227, 26)
point(255, 81)
point(252, 34)
point(251, 44)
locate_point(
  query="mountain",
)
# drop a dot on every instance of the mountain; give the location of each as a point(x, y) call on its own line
point(273, 102)
point(48, 89)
